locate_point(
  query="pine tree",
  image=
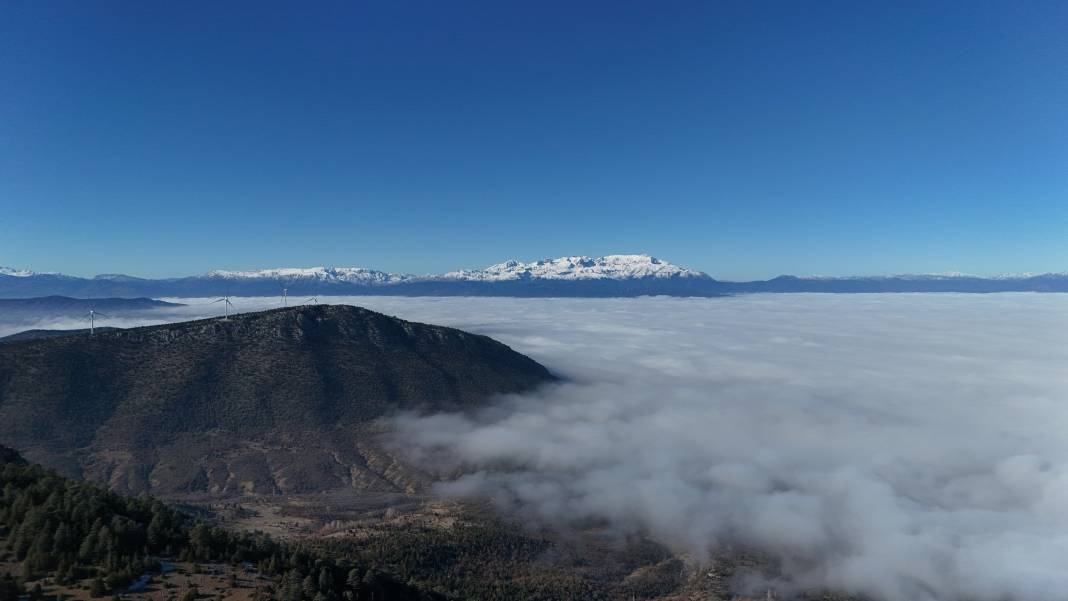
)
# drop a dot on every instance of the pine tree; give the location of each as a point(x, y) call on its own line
point(62, 540)
point(326, 581)
point(62, 568)
point(310, 587)
point(155, 532)
point(291, 586)
point(200, 541)
point(90, 547)
point(97, 588)
point(354, 580)
point(42, 543)
point(87, 550)
point(29, 567)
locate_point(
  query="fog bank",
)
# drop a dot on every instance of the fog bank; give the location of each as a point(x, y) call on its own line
point(900, 446)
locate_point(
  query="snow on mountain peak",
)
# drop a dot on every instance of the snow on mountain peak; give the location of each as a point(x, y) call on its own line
point(1030, 275)
point(16, 273)
point(358, 275)
point(608, 267)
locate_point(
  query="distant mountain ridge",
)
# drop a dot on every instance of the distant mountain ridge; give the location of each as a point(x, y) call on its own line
point(574, 276)
point(56, 304)
point(609, 267)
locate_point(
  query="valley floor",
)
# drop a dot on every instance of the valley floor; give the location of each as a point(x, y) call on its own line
point(468, 551)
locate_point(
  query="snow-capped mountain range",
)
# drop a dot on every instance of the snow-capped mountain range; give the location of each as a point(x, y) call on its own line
point(610, 275)
point(351, 275)
point(610, 267)
point(16, 273)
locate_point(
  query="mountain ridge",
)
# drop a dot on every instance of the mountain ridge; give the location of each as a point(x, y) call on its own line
point(66, 304)
point(575, 276)
point(284, 400)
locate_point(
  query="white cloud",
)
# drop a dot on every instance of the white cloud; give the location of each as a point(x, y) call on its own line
point(901, 446)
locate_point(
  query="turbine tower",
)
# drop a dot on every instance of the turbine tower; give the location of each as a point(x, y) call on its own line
point(285, 297)
point(226, 306)
point(92, 320)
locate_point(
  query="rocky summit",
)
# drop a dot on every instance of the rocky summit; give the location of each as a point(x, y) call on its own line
point(280, 401)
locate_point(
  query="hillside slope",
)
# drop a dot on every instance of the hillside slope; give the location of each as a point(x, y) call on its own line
point(272, 402)
point(105, 540)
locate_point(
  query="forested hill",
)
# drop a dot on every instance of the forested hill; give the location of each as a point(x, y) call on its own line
point(69, 531)
point(271, 402)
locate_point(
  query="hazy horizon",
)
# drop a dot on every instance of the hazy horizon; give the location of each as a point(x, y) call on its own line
point(356, 264)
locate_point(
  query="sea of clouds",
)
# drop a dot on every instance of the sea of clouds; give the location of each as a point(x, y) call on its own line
point(905, 447)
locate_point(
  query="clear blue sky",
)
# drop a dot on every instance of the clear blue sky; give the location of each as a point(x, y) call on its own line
point(745, 139)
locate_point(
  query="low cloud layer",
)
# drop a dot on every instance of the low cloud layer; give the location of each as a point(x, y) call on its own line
point(906, 447)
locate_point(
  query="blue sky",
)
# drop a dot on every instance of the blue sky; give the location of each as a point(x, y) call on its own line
point(745, 139)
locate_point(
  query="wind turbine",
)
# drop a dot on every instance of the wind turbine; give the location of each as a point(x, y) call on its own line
point(92, 320)
point(285, 297)
point(314, 300)
point(226, 306)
